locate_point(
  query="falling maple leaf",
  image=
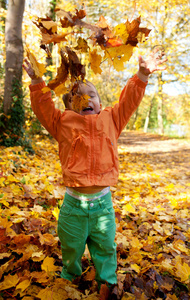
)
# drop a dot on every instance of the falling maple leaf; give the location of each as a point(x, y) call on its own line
point(77, 70)
point(95, 61)
point(118, 55)
point(69, 20)
point(46, 25)
point(53, 38)
point(79, 102)
point(133, 30)
point(62, 73)
point(82, 45)
point(38, 68)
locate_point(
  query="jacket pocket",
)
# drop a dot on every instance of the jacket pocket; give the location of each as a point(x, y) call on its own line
point(79, 156)
point(106, 157)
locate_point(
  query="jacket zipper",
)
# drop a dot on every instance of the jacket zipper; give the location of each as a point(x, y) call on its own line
point(92, 150)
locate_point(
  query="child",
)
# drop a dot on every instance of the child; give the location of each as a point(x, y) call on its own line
point(89, 159)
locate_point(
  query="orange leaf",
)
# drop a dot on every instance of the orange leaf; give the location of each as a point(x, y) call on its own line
point(114, 42)
point(104, 292)
point(53, 38)
point(133, 30)
point(62, 73)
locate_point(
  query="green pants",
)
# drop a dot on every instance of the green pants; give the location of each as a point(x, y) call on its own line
point(93, 223)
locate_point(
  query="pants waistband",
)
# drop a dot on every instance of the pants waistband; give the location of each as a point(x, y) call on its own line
point(87, 197)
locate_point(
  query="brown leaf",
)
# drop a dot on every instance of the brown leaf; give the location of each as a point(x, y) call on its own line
point(89, 274)
point(104, 292)
point(133, 29)
point(62, 72)
point(75, 67)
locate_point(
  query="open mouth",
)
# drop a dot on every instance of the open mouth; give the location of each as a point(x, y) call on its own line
point(88, 108)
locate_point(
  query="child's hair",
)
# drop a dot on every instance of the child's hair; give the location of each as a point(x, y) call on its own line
point(66, 97)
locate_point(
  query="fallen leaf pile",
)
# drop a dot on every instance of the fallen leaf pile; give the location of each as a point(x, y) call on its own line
point(152, 205)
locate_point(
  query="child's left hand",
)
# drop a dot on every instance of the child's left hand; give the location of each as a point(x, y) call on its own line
point(152, 63)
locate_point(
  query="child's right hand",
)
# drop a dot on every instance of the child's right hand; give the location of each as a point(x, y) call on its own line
point(28, 68)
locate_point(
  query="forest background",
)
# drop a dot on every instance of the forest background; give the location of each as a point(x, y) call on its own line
point(166, 105)
point(151, 199)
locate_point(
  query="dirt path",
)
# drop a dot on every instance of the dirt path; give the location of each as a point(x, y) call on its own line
point(173, 153)
point(139, 142)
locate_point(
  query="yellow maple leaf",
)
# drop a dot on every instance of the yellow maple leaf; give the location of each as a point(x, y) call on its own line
point(46, 89)
point(45, 294)
point(38, 256)
point(124, 50)
point(121, 31)
point(60, 89)
point(82, 45)
point(95, 61)
point(4, 202)
point(11, 178)
point(171, 297)
point(118, 64)
point(2, 179)
point(55, 212)
point(58, 291)
point(183, 271)
point(128, 208)
point(23, 285)
point(141, 37)
point(136, 268)
point(48, 265)
point(79, 102)
point(39, 68)
point(135, 243)
point(9, 282)
point(119, 55)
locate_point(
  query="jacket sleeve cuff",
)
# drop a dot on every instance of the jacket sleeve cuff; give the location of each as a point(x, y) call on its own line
point(139, 82)
point(37, 86)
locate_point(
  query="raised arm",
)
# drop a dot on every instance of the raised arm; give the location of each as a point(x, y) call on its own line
point(42, 103)
point(134, 90)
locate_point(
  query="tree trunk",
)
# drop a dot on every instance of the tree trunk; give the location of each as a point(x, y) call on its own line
point(52, 15)
point(135, 119)
point(14, 49)
point(148, 116)
point(150, 109)
point(160, 105)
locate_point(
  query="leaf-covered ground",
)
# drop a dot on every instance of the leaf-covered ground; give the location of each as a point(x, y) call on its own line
point(152, 204)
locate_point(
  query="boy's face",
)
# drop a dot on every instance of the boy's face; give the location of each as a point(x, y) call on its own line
point(94, 105)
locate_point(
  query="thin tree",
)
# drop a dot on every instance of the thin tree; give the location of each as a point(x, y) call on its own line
point(14, 49)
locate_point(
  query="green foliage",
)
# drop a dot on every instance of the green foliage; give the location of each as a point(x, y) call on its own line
point(12, 125)
point(35, 127)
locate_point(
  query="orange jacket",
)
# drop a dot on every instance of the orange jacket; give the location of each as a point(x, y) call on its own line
point(88, 144)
